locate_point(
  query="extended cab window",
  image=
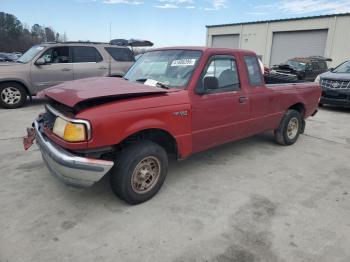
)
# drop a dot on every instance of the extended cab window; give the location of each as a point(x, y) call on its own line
point(57, 55)
point(254, 71)
point(121, 54)
point(85, 54)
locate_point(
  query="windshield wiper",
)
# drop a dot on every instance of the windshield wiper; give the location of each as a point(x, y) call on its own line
point(162, 85)
point(159, 84)
point(142, 80)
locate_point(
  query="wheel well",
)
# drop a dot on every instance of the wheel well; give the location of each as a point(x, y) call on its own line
point(158, 136)
point(300, 107)
point(19, 83)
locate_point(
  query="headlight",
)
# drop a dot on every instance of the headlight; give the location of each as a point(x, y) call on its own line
point(68, 131)
point(318, 79)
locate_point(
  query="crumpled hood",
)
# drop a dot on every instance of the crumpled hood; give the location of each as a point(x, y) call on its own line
point(73, 92)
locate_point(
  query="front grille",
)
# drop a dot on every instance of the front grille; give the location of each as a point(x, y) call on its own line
point(63, 109)
point(335, 96)
point(335, 84)
point(48, 119)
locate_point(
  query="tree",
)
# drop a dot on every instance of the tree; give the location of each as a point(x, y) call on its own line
point(50, 34)
point(14, 36)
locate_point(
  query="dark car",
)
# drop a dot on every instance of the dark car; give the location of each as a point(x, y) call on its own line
point(336, 85)
point(304, 68)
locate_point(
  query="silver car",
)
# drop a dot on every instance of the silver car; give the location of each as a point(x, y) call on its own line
point(49, 64)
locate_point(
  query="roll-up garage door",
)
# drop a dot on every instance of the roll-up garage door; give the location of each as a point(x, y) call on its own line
point(226, 41)
point(286, 45)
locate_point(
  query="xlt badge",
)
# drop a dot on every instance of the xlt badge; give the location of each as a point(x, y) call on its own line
point(181, 113)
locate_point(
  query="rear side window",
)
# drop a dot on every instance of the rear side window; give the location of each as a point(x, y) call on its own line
point(85, 54)
point(121, 54)
point(254, 70)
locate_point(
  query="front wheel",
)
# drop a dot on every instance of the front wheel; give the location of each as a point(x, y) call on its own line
point(12, 95)
point(139, 172)
point(289, 129)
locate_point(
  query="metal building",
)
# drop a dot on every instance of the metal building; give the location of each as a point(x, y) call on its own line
point(275, 41)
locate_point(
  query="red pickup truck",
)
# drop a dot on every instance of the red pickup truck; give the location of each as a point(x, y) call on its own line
point(172, 102)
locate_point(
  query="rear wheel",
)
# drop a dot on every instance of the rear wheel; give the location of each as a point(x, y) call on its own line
point(12, 95)
point(139, 172)
point(289, 129)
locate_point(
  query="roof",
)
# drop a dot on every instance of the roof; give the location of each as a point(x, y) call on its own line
point(281, 20)
point(210, 50)
point(311, 59)
point(202, 48)
point(79, 43)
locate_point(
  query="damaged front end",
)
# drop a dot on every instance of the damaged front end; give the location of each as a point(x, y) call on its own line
point(71, 168)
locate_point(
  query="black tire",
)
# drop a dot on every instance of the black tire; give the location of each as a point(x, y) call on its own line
point(283, 135)
point(132, 157)
point(12, 95)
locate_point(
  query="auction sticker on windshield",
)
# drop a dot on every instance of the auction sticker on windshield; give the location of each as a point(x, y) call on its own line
point(184, 62)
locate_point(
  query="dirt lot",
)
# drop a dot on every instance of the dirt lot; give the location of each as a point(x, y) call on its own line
point(247, 201)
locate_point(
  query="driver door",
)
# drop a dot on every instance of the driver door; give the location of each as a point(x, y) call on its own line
point(57, 69)
point(219, 111)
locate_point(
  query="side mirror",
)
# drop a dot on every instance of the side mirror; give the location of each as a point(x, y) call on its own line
point(40, 61)
point(331, 69)
point(210, 83)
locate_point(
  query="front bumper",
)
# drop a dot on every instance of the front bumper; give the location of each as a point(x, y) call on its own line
point(335, 101)
point(71, 169)
point(335, 97)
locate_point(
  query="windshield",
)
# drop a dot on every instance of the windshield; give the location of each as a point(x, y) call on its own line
point(173, 68)
point(30, 54)
point(298, 66)
point(343, 68)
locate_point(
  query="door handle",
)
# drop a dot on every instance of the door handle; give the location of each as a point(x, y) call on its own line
point(102, 67)
point(66, 69)
point(243, 99)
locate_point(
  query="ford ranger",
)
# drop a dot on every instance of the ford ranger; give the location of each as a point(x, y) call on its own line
point(173, 102)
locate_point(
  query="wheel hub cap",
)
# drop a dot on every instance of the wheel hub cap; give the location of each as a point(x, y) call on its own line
point(293, 128)
point(10, 95)
point(145, 175)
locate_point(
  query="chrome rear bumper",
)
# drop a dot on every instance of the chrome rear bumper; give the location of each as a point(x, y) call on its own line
point(71, 169)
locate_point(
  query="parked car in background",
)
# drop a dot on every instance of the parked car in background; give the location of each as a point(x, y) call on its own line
point(7, 57)
point(336, 85)
point(16, 55)
point(172, 102)
point(49, 64)
point(303, 68)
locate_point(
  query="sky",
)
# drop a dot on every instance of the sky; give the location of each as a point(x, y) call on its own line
point(164, 22)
